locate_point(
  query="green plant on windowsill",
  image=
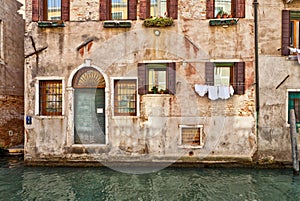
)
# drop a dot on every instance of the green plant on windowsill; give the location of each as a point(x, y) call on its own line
point(158, 22)
point(154, 90)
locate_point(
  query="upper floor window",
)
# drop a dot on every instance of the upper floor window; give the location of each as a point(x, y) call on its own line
point(290, 31)
point(156, 78)
point(118, 9)
point(235, 8)
point(226, 74)
point(158, 8)
point(53, 10)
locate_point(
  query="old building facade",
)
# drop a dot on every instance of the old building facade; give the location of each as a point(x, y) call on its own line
point(102, 86)
point(11, 74)
point(278, 77)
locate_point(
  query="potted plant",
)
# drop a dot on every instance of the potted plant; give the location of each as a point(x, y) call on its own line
point(154, 89)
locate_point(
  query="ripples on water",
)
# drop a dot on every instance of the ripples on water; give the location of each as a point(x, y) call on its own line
point(64, 183)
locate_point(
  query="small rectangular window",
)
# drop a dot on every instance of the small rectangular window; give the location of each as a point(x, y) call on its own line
point(191, 136)
point(125, 97)
point(157, 77)
point(294, 103)
point(50, 97)
point(53, 9)
point(119, 9)
point(223, 7)
point(158, 8)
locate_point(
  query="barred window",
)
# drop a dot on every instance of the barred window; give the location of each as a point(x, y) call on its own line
point(50, 97)
point(125, 97)
point(192, 135)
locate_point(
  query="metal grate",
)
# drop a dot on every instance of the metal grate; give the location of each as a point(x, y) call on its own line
point(191, 136)
point(125, 97)
point(50, 98)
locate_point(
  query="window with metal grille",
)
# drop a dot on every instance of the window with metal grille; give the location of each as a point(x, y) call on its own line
point(125, 103)
point(294, 103)
point(191, 135)
point(53, 8)
point(50, 97)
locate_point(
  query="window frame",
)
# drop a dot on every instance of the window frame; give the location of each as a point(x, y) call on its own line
point(237, 9)
point(106, 10)
point(143, 77)
point(286, 34)
point(288, 106)
point(145, 6)
point(115, 94)
point(237, 76)
point(40, 12)
point(201, 136)
point(38, 96)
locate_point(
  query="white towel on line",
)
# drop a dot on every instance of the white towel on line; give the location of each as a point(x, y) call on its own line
point(213, 92)
point(201, 89)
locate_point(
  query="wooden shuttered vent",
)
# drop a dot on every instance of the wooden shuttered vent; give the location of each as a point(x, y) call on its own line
point(39, 12)
point(237, 8)
point(237, 79)
point(143, 83)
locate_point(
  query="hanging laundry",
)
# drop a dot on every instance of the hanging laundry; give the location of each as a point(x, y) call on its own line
point(231, 90)
point(213, 92)
point(224, 92)
point(201, 89)
point(297, 51)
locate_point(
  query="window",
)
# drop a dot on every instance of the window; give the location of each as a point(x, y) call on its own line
point(157, 78)
point(236, 8)
point(191, 136)
point(294, 103)
point(118, 9)
point(156, 8)
point(50, 97)
point(125, 103)
point(52, 10)
point(290, 31)
point(225, 74)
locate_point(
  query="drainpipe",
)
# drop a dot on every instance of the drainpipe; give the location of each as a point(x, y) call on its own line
point(255, 4)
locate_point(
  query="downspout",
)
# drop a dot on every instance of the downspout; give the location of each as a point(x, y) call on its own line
point(255, 4)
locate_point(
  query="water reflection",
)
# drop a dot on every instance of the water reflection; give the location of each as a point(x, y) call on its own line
point(41, 183)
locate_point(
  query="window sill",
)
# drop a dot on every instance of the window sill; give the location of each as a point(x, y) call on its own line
point(49, 117)
point(158, 95)
point(50, 24)
point(223, 22)
point(190, 147)
point(117, 24)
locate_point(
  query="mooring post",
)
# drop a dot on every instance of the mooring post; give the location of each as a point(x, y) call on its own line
point(294, 142)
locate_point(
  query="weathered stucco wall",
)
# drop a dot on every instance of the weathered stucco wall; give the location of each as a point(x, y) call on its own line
point(229, 125)
point(274, 132)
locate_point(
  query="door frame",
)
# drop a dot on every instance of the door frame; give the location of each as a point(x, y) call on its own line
point(71, 104)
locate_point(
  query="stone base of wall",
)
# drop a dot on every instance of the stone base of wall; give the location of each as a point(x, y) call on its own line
point(11, 120)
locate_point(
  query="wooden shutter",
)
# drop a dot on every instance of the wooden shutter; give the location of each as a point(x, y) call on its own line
point(132, 9)
point(172, 8)
point(239, 73)
point(209, 73)
point(285, 40)
point(171, 79)
point(239, 8)
point(209, 9)
point(105, 9)
point(142, 79)
point(144, 9)
point(35, 10)
point(65, 10)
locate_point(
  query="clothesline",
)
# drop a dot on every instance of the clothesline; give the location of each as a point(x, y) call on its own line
point(297, 51)
point(214, 92)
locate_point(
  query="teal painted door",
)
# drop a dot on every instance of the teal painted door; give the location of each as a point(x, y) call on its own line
point(89, 118)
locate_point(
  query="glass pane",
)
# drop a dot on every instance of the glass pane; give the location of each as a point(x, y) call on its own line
point(158, 8)
point(50, 97)
point(157, 78)
point(125, 97)
point(222, 6)
point(54, 10)
point(119, 9)
point(222, 76)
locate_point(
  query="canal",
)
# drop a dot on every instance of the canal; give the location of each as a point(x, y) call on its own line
point(19, 182)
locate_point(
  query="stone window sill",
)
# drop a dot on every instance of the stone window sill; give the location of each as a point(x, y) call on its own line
point(49, 24)
point(223, 22)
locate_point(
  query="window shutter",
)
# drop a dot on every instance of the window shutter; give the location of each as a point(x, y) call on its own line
point(171, 73)
point(209, 9)
point(209, 73)
point(285, 41)
point(239, 73)
point(65, 10)
point(142, 79)
point(35, 10)
point(172, 8)
point(132, 8)
point(105, 9)
point(239, 8)
point(144, 9)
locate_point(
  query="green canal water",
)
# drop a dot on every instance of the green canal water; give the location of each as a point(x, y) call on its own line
point(19, 182)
